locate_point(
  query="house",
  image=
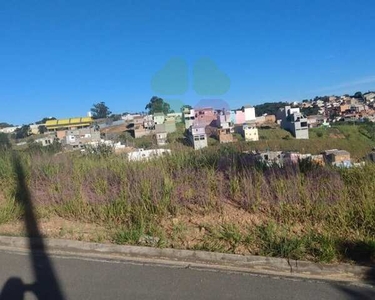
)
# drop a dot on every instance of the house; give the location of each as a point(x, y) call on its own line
point(270, 157)
point(198, 136)
point(78, 138)
point(225, 135)
point(9, 129)
point(293, 120)
point(141, 154)
point(142, 126)
point(204, 116)
point(161, 138)
point(337, 157)
point(176, 116)
point(170, 124)
point(240, 117)
point(343, 108)
point(315, 120)
point(369, 97)
point(46, 141)
point(224, 119)
point(249, 132)
point(60, 127)
point(34, 129)
point(159, 118)
point(189, 117)
point(249, 113)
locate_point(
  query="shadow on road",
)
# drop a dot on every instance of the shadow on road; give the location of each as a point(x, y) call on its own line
point(46, 285)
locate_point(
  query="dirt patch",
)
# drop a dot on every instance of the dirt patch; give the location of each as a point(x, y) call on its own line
point(56, 227)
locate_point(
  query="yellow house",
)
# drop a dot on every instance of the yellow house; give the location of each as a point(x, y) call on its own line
point(69, 124)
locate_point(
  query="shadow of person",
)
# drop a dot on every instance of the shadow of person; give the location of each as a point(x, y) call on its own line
point(46, 285)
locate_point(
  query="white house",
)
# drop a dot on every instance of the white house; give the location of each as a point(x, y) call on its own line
point(250, 132)
point(249, 113)
point(9, 129)
point(198, 136)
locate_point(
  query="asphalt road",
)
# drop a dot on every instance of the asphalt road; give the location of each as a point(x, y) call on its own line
point(96, 279)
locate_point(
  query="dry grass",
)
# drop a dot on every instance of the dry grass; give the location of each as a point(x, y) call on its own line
point(216, 200)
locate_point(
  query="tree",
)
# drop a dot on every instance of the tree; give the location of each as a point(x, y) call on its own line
point(187, 107)
point(100, 111)
point(4, 125)
point(42, 129)
point(269, 108)
point(44, 120)
point(157, 105)
point(4, 142)
point(358, 95)
point(22, 132)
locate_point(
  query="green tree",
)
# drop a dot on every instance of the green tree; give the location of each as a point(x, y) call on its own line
point(189, 107)
point(100, 111)
point(158, 105)
point(4, 141)
point(42, 129)
point(358, 95)
point(22, 132)
point(44, 120)
point(269, 108)
point(4, 125)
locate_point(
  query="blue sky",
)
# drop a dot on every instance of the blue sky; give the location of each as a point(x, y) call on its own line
point(59, 57)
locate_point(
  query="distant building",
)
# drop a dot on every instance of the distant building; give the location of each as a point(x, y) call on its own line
point(337, 157)
point(78, 138)
point(225, 135)
point(250, 132)
point(159, 118)
point(224, 119)
point(161, 138)
point(270, 157)
point(189, 117)
point(249, 113)
point(292, 120)
point(45, 141)
point(177, 116)
point(63, 125)
point(142, 126)
point(198, 136)
point(170, 124)
point(204, 116)
point(9, 129)
point(34, 129)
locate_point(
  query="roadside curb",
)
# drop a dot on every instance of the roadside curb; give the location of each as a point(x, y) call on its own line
point(196, 259)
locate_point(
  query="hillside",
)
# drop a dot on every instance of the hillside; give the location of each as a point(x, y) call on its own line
point(346, 137)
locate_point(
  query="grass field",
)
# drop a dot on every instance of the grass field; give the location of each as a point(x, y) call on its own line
point(215, 200)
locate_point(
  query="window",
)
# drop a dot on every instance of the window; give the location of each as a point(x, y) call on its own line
point(202, 137)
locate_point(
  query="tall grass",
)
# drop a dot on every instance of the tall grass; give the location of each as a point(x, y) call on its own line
point(304, 211)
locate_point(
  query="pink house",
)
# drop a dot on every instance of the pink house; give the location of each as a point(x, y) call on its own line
point(204, 116)
point(240, 117)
